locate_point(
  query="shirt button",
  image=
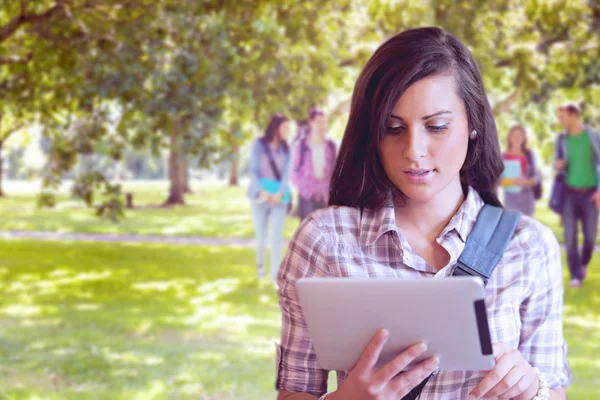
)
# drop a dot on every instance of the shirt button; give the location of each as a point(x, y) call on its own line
point(435, 373)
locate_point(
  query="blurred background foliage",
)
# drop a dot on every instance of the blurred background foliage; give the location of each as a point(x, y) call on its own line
point(156, 88)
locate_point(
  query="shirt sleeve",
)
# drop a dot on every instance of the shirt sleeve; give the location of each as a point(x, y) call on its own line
point(297, 368)
point(542, 341)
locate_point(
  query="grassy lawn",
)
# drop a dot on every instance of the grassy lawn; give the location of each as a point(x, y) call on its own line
point(122, 321)
point(215, 210)
point(105, 321)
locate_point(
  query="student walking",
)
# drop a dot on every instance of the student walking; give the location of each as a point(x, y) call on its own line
point(314, 160)
point(269, 191)
point(577, 157)
point(524, 187)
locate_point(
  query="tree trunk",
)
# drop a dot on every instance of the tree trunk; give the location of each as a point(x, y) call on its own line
point(1, 192)
point(185, 171)
point(235, 166)
point(175, 175)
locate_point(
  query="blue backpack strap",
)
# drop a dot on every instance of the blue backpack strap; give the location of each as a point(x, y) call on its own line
point(487, 242)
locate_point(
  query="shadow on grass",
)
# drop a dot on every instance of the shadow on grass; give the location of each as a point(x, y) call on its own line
point(85, 320)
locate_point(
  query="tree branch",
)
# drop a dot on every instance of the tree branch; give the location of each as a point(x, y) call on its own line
point(5, 136)
point(507, 62)
point(547, 42)
point(503, 105)
point(543, 46)
point(347, 63)
point(4, 60)
point(23, 18)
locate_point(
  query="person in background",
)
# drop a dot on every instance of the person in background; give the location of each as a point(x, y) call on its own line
point(519, 192)
point(269, 193)
point(303, 131)
point(577, 154)
point(313, 163)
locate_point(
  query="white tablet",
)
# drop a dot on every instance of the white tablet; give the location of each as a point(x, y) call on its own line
point(448, 314)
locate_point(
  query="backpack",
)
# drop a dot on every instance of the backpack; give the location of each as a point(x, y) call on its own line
point(487, 242)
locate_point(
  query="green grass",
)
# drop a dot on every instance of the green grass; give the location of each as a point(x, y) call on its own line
point(215, 210)
point(134, 322)
point(122, 321)
point(582, 331)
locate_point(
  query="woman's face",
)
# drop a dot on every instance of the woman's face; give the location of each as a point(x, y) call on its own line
point(427, 139)
point(516, 139)
point(319, 125)
point(284, 130)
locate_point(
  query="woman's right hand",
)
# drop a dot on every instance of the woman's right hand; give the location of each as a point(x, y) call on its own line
point(366, 381)
point(263, 197)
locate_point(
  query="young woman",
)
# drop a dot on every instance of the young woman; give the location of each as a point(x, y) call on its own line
point(519, 192)
point(314, 159)
point(419, 159)
point(269, 193)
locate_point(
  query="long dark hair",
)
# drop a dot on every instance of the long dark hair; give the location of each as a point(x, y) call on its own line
point(273, 132)
point(524, 149)
point(359, 179)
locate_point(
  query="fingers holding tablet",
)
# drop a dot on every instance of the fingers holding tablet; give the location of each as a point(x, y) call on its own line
point(366, 381)
point(408, 380)
point(512, 377)
point(371, 353)
point(398, 364)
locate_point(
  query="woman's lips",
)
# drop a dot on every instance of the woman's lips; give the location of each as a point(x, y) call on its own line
point(419, 175)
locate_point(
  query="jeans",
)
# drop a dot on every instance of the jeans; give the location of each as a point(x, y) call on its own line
point(579, 205)
point(262, 213)
point(305, 207)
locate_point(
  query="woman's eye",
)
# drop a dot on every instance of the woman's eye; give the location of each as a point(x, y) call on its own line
point(394, 128)
point(437, 128)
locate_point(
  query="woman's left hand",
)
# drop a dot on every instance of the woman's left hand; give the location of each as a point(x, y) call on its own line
point(596, 199)
point(523, 182)
point(511, 378)
point(276, 198)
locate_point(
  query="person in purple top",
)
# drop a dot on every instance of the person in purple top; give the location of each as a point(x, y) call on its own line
point(313, 161)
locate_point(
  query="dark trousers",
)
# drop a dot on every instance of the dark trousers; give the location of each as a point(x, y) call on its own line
point(579, 205)
point(305, 206)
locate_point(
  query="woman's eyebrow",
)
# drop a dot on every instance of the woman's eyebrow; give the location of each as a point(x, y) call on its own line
point(427, 116)
point(436, 114)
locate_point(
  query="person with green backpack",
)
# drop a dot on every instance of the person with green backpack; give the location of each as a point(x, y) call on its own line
point(577, 162)
point(413, 196)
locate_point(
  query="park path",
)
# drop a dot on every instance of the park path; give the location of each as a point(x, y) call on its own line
point(99, 237)
point(102, 237)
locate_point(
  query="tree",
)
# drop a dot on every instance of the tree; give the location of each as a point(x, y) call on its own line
point(42, 46)
point(12, 126)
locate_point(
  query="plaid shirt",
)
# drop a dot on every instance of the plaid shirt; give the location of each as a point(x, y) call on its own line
point(524, 296)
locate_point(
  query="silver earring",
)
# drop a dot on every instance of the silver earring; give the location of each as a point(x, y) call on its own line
point(473, 134)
